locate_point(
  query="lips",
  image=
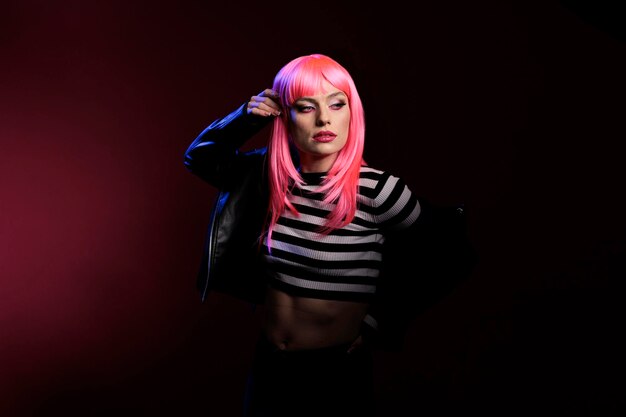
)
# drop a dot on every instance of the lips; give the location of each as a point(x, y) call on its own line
point(324, 136)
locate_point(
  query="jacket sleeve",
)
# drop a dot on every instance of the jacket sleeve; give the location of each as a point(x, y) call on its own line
point(212, 153)
point(422, 264)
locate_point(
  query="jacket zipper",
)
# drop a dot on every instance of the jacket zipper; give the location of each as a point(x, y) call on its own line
point(211, 243)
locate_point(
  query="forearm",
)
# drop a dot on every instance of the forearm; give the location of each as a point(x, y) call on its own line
point(214, 150)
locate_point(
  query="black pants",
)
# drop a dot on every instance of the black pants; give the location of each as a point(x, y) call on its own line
point(317, 382)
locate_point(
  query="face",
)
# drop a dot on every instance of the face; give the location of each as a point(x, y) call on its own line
point(318, 126)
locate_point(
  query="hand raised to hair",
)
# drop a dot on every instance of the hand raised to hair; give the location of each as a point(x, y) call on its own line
point(265, 104)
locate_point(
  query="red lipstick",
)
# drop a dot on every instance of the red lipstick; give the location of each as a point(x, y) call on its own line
point(324, 136)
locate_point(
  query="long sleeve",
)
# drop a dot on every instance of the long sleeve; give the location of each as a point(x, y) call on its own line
point(229, 258)
point(423, 264)
point(212, 153)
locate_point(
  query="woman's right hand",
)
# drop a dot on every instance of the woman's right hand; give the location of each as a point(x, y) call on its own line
point(265, 104)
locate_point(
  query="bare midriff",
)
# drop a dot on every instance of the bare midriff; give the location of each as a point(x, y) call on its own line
point(294, 323)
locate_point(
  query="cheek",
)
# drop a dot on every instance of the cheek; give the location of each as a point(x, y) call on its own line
point(297, 133)
point(299, 123)
point(345, 122)
point(294, 127)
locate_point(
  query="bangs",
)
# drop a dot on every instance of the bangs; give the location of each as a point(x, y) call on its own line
point(306, 77)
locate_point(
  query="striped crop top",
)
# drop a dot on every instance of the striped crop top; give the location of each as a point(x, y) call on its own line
point(345, 264)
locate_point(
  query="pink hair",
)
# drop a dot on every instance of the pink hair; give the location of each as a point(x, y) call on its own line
point(301, 77)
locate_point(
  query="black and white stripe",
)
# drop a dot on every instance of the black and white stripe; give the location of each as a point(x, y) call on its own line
point(344, 264)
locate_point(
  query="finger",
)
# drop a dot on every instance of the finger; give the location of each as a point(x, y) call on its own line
point(260, 108)
point(268, 92)
point(266, 96)
point(264, 105)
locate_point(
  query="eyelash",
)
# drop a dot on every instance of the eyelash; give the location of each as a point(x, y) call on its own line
point(308, 109)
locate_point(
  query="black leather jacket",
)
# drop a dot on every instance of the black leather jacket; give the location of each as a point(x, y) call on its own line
point(421, 264)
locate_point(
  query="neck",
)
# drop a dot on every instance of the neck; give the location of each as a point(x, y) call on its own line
point(310, 164)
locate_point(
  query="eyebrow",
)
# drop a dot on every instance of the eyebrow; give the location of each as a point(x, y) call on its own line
point(312, 100)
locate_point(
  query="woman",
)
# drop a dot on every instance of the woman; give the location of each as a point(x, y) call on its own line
point(305, 228)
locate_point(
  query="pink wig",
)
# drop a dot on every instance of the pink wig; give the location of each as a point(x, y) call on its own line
point(301, 77)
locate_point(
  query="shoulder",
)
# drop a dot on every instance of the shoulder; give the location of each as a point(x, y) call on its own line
point(391, 199)
point(373, 176)
point(378, 183)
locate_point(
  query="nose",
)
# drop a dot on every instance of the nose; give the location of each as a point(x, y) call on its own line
point(323, 117)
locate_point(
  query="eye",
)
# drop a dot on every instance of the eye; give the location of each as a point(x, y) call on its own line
point(338, 105)
point(305, 109)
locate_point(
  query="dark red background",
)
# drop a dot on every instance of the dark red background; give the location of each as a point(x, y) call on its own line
point(514, 108)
